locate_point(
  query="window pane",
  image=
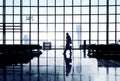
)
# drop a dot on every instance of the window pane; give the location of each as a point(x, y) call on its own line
point(111, 35)
point(59, 27)
point(111, 18)
point(34, 2)
point(34, 10)
point(42, 2)
point(112, 27)
point(85, 10)
point(102, 27)
point(42, 19)
point(51, 19)
point(1, 2)
point(102, 10)
point(102, 18)
point(17, 2)
point(85, 2)
point(1, 18)
point(51, 2)
point(112, 2)
point(59, 10)
point(51, 10)
point(94, 10)
point(51, 27)
point(26, 2)
point(76, 10)
point(102, 2)
point(34, 27)
point(17, 19)
point(59, 36)
point(68, 10)
point(68, 19)
point(59, 19)
point(112, 10)
point(16, 10)
point(9, 19)
point(68, 2)
point(94, 36)
point(76, 2)
point(102, 36)
point(17, 36)
point(9, 35)
point(76, 19)
point(85, 27)
point(85, 19)
point(9, 2)
point(26, 27)
point(1, 35)
point(9, 10)
point(94, 18)
point(94, 2)
point(42, 10)
point(85, 36)
point(51, 36)
point(94, 27)
point(118, 36)
point(43, 36)
point(59, 2)
point(34, 36)
point(68, 27)
point(42, 27)
point(26, 10)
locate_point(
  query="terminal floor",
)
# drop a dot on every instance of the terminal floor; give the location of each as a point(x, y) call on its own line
point(49, 68)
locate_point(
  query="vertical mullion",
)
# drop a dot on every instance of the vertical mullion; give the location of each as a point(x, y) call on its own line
point(13, 22)
point(63, 36)
point(115, 21)
point(55, 43)
point(80, 39)
point(72, 41)
point(30, 24)
point(20, 21)
point(107, 23)
point(47, 37)
point(98, 24)
point(30, 37)
point(38, 39)
point(13, 43)
point(89, 21)
point(4, 21)
point(21, 65)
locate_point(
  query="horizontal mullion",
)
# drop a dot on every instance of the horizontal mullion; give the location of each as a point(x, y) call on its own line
point(66, 23)
point(59, 6)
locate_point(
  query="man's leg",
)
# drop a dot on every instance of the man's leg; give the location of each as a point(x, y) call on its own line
point(70, 51)
point(65, 51)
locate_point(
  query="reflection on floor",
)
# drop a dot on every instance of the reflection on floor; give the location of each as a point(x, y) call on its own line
point(54, 69)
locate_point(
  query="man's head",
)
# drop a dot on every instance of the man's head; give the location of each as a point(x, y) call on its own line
point(67, 33)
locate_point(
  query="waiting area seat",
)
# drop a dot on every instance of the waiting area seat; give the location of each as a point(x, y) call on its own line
point(110, 51)
point(14, 54)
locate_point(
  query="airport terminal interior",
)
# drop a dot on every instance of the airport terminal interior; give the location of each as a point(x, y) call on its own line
point(33, 40)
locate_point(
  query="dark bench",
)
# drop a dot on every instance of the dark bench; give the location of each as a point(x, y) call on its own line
point(111, 51)
point(14, 54)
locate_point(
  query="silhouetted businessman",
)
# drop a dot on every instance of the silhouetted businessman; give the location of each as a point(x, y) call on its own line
point(68, 42)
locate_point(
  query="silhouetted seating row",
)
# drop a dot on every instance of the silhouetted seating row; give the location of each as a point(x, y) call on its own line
point(111, 51)
point(14, 54)
point(17, 48)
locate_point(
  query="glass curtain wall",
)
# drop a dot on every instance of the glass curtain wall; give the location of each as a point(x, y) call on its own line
point(38, 21)
point(95, 21)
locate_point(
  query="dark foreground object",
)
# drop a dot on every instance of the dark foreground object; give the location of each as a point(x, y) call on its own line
point(109, 52)
point(14, 54)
